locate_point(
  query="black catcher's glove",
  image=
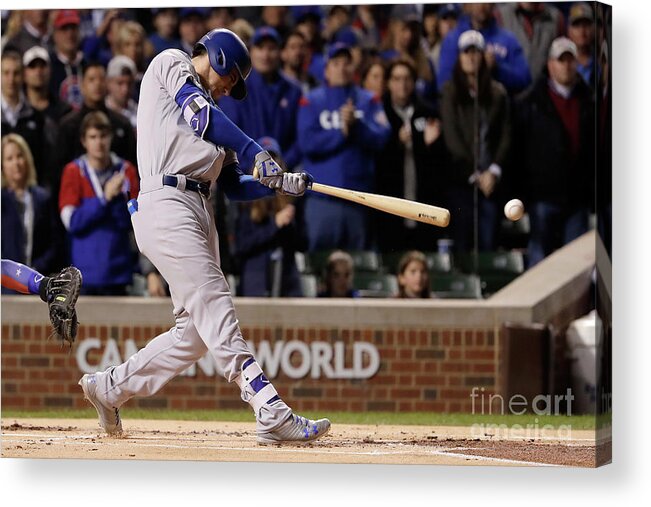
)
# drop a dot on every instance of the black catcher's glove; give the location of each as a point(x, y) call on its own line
point(60, 292)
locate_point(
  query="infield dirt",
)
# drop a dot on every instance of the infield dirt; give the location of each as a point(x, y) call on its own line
point(235, 441)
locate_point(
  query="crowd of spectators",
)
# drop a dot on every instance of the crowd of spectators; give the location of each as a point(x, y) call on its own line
point(458, 105)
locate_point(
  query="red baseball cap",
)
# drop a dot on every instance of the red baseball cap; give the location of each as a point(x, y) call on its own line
point(66, 17)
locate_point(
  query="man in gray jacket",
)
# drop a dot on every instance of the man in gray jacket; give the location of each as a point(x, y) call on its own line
point(535, 25)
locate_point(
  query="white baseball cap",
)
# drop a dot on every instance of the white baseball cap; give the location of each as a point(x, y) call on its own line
point(119, 64)
point(560, 46)
point(36, 53)
point(471, 38)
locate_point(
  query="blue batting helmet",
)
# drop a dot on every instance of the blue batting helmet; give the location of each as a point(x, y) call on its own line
point(225, 52)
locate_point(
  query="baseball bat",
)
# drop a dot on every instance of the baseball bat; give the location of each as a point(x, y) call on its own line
point(404, 208)
point(426, 213)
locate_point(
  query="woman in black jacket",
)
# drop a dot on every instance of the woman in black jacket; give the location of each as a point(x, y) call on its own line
point(476, 129)
point(411, 159)
point(28, 218)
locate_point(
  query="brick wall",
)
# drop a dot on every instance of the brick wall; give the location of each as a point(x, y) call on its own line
point(421, 369)
point(431, 353)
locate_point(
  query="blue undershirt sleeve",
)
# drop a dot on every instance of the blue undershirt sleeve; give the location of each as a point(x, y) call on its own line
point(211, 124)
point(241, 187)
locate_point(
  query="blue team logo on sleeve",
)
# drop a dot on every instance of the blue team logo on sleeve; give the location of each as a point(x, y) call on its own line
point(132, 206)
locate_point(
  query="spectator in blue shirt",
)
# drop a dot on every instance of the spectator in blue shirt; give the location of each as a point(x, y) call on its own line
point(341, 128)
point(504, 56)
point(166, 22)
point(271, 105)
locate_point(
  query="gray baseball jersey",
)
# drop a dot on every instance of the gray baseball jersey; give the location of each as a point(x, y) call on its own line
point(166, 143)
point(175, 230)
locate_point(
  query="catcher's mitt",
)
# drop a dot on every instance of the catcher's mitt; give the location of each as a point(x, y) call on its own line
point(62, 291)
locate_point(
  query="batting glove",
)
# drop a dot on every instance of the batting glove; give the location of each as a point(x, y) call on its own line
point(268, 172)
point(295, 183)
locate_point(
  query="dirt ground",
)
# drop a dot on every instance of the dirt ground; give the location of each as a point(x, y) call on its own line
point(230, 441)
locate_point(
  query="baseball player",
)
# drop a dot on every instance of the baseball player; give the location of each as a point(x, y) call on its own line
point(60, 292)
point(184, 143)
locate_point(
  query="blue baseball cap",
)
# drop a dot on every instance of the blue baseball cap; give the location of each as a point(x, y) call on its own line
point(270, 144)
point(186, 12)
point(337, 49)
point(347, 36)
point(449, 10)
point(264, 33)
point(301, 12)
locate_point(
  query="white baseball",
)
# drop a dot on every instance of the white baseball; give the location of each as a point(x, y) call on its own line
point(514, 209)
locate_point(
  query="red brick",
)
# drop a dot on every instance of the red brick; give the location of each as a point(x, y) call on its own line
point(480, 354)
point(401, 338)
point(387, 353)
point(103, 333)
point(457, 338)
point(40, 333)
point(384, 379)
point(410, 366)
point(194, 404)
point(479, 338)
point(13, 401)
point(455, 381)
point(413, 338)
point(56, 374)
point(450, 367)
point(332, 405)
point(483, 367)
point(13, 374)
point(467, 337)
point(405, 393)
point(429, 380)
point(429, 406)
point(177, 404)
point(8, 362)
point(446, 338)
point(405, 406)
point(356, 406)
point(454, 406)
point(13, 348)
point(454, 354)
point(406, 354)
point(451, 394)
point(30, 387)
point(406, 380)
point(430, 367)
point(352, 392)
point(331, 392)
point(26, 332)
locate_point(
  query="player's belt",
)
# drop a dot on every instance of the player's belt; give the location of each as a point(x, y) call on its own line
point(194, 186)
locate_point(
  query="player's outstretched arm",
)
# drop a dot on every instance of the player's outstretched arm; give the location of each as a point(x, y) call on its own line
point(211, 124)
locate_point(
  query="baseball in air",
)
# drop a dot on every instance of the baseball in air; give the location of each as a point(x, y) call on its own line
point(514, 209)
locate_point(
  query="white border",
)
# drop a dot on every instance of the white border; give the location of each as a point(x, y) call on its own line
point(69, 483)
